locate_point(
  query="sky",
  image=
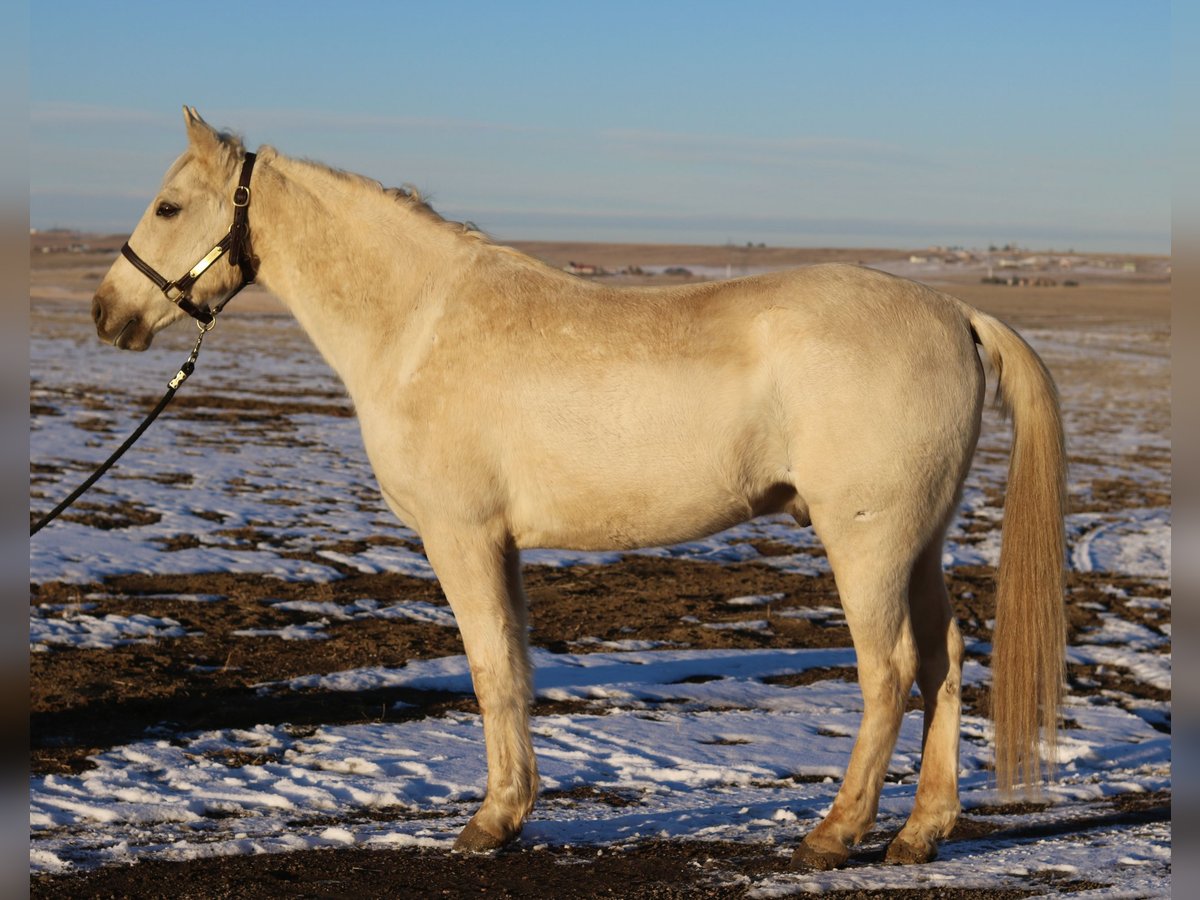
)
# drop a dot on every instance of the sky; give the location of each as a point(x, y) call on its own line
point(785, 123)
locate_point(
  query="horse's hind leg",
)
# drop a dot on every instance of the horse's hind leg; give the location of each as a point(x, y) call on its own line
point(480, 574)
point(939, 677)
point(871, 561)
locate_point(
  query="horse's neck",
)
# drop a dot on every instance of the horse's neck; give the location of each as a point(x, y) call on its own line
point(350, 262)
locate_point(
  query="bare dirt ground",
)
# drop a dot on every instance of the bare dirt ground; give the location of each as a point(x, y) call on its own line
point(83, 701)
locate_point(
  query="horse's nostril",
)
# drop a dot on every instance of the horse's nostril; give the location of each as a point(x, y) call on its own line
point(97, 312)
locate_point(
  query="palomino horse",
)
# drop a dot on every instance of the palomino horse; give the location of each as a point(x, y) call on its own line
point(505, 405)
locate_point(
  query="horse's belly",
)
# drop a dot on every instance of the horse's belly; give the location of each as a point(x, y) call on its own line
point(644, 458)
point(642, 494)
point(622, 518)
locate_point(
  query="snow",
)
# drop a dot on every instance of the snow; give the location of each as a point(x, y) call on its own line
point(366, 608)
point(85, 632)
point(716, 760)
point(1135, 857)
point(309, 631)
point(1137, 544)
point(734, 757)
point(755, 600)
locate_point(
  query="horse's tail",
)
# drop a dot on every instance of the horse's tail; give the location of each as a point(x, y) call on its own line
point(1028, 642)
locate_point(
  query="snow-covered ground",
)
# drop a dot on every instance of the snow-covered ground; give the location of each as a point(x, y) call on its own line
point(700, 760)
point(731, 758)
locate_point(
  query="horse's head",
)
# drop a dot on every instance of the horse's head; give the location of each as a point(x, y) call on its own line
point(192, 210)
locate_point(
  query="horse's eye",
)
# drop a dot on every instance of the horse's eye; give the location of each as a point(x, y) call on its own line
point(167, 210)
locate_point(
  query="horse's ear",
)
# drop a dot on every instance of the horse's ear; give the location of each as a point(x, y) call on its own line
point(202, 136)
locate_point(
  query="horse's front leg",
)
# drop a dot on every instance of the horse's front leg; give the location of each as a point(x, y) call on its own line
point(480, 571)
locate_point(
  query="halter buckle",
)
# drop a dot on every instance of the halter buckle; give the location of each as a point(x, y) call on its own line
point(177, 295)
point(241, 196)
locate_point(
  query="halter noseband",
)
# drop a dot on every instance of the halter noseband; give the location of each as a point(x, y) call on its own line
point(236, 243)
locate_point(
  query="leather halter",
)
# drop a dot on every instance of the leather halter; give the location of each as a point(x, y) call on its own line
point(236, 243)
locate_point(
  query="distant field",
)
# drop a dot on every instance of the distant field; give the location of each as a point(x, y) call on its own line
point(60, 274)
point(617, 256)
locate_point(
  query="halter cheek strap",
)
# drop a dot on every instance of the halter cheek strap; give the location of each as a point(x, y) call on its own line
point(236, 243)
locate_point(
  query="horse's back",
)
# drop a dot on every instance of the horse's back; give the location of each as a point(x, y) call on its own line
point(595, 417)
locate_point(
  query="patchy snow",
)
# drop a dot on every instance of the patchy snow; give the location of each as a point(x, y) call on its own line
point(1153, 669)
point(755, 600)
point(1137, 858)
point(566, 676)
point(741, 625)
point(825, 615)
point(1136, 543)
point(307, 631)
point(86, 632)
point(729, 759)
point(366, 608)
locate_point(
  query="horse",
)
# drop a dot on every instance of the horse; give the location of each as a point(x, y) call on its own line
point(507, 405)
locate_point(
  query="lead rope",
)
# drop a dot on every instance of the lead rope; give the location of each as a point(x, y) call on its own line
point(172, 386)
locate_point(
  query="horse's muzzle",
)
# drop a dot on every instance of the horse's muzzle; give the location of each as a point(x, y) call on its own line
point(124, 331)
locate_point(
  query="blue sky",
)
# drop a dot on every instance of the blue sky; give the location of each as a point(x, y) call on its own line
point(789, 123)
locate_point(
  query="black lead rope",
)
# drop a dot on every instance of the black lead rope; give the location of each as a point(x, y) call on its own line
point(172, 386)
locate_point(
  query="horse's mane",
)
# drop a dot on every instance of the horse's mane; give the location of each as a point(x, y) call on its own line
point(232, 149)
point(410, 196)
point(407, 195)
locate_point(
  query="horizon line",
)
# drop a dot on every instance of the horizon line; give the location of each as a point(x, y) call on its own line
point(1007, 247)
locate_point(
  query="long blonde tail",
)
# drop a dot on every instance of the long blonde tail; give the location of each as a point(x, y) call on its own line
point(1029, 640)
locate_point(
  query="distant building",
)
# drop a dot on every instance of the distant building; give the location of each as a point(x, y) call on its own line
point(583, 269)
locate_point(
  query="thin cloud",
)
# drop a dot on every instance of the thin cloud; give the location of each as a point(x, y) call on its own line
point(320, 118)
point(759, 151)
point(90, 191)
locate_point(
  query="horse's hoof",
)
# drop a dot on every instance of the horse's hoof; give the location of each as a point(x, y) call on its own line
point(474, 839)
point(902, 853)
point(813, 860)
